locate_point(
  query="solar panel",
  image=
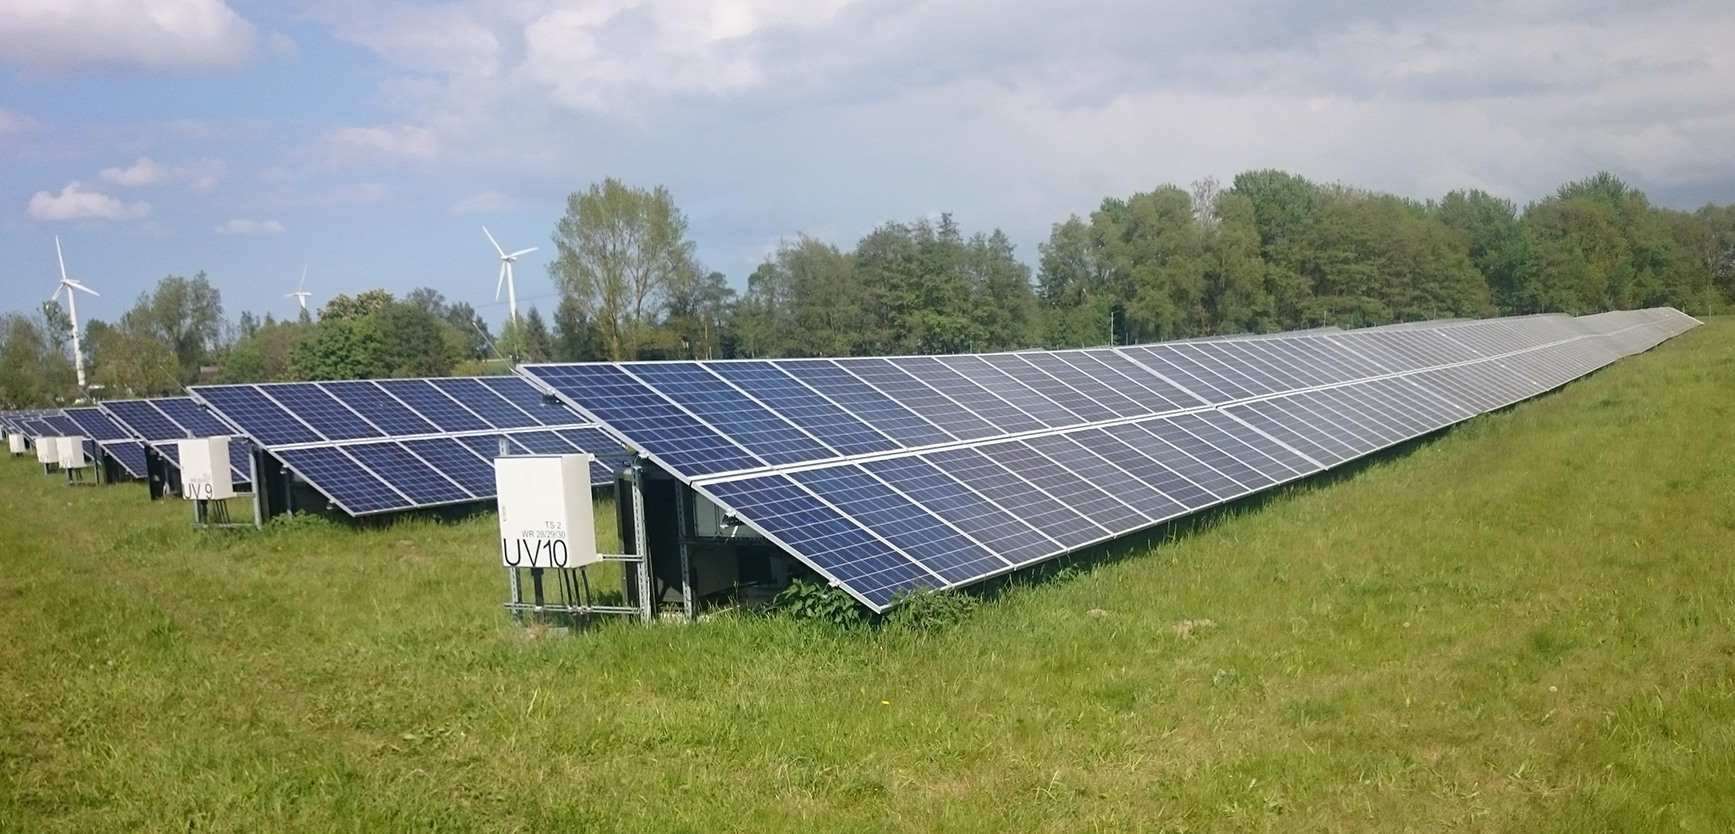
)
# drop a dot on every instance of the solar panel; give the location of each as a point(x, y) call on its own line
point(388, 445)
point(888, 475)
point(161, 422)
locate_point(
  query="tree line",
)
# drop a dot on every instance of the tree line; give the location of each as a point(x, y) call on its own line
point(1270, 251)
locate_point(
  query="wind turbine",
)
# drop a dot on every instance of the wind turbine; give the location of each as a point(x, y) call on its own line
point(301, 294)
point(506, 275)
point(69, 285)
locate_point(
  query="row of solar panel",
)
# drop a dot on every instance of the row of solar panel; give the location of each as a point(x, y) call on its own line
point(289, 414)
point(945, 517)
point(386, 476)
point(162, 421)
point(789, 411)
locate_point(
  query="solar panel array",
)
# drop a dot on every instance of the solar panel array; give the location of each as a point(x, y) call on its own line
point(104, 433)
point(887, 475)
point(376, 446)
point(163, 421)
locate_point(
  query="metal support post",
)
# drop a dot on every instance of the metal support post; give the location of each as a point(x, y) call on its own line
point(642, 547)
point(258, 488)
point(683, 531)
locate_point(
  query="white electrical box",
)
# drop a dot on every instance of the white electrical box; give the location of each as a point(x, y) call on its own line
point(710, 521)
point(16, 442)
point(546, 518)
point(205, 469)
point(48, 450)
point(72, 453)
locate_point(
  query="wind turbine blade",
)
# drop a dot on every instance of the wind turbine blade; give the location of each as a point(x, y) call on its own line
point(502, 280)
point(77, 286)
point(303, 285)
point(493, 241)
point(60, 257)
point(520, 252)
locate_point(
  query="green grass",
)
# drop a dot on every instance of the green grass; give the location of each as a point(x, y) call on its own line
point(1526, 624)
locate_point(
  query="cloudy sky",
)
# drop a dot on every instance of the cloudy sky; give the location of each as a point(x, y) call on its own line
point(371, 141)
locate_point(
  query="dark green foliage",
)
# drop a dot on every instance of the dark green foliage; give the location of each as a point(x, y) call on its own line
point(931, 611)
point(819, 603)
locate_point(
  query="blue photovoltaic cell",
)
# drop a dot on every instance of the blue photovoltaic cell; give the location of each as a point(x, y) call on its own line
point(1245, 472)
point(193, 418)
point(1087, 384)
point(129, 454)
point(1293, 460)
point(380, 408)
point(456, 461)
point(804, 407)
point(143, 419)
point(945, 496)
point(257, 415)
point(770, 437)
point(95, 424)
point(1087, 464)
point(640, 413)
point(483, 401)
point(867, 403)
point(915, 531)
point(1014, 365)
point(345, 481)
point(1070, 489)
point(985, 404)
point(1162, 478)
point(916, 395)
point(433, 405)
point(318, 409)
point(1179, 459)
point(1138, 383)
point(543, 443)
point(995, 482)
point(1015, 393)
point(529, 400)
point(408, 473)
point(830, 542)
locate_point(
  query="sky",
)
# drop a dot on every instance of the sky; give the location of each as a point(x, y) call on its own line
point(369, 142)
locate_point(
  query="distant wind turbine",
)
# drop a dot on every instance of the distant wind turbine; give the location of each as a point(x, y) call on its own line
point(506, 275)
point(301, 294)
point(69, 285)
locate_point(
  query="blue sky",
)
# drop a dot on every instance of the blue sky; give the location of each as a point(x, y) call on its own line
point(371, 141)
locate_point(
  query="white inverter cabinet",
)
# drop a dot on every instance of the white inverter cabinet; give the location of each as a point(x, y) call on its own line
point(72, 453)
point(15, 442)
point(205, 469)
point(48, 450)
point(546, 518)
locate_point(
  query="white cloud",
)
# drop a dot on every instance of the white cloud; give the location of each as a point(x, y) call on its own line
point(68, 35)
point(146, 171)
point(12, 122)
point(239, 226)
point(201, 175)
point(76, 202)
point(405, 141)
point(486, 201)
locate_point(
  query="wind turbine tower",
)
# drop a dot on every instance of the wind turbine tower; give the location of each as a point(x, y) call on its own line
point(70, 285)
point(301, 294)
point(506, 275)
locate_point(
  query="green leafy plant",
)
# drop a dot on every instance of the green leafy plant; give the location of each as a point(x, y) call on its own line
point(818, 603)
point(929, 610)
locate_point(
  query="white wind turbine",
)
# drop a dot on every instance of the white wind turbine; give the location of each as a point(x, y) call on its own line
point(70, 285)
point(301, 294)
point(506, 275)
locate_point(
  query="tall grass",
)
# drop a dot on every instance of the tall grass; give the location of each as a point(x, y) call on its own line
point(1525, 624)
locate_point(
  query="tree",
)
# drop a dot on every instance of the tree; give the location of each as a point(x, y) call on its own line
point(536, 344)
point(576, 338)
point(621, 252)
point(698, 313)
point(34, 370)
point(1489, 230)
point(1153, 248)
point(186, 315)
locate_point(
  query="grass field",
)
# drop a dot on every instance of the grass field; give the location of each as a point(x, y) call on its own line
point(1525, 624)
